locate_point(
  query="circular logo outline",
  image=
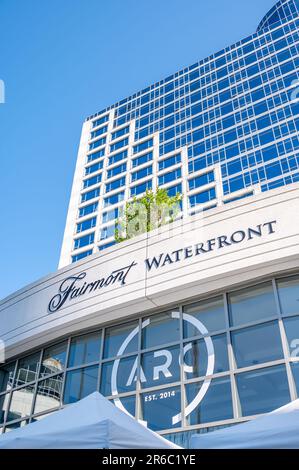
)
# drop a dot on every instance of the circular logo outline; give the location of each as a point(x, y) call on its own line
point(210, 366)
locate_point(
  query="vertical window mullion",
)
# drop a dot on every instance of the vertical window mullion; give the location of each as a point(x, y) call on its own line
point(283, 337)
point(138, 411)
point(232, 363)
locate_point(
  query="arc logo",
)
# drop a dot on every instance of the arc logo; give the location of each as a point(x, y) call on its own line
point(164, 368)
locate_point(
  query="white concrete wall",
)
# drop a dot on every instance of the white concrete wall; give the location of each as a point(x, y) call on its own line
point(26, 323)
point(68, 238)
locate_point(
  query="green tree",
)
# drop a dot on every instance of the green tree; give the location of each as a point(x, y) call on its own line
point(151, 211)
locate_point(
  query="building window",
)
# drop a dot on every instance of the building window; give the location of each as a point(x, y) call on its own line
point(90, 195)
point(107, 232)
point(106, 245)
point(120, 133)
point(201, 180)
point(21, 403)
point(100, 121)
point(6, 377)
point(93, 168)
point(114, 199)
point(210, 312)
point(115, 184)
point(123, 384)
point(154, 411)
point(80, 383)
point(86, 210)
point(252, 304)
point(288, 291)
point(81, 255)
point(142, 159)
point(141, 188)
point(149, 363)
point(168, 162)
point(97, 143)
point(4, 401)
point(159, 326)
point(263, 390)
point(158, 358)
point(116, 335)
point(174, 190)
point(216, 405)
point(92, 181)
point(202, 197)
point(169, 177)
point(110, 215)
point(85, 349)
point(84, 241)
point(99, 132)
point(48, 394)
point(117, 157)
point(86, 225)
point(291, 326)
point(263, 351)
point(143, 146)
point(143, 173)
point(196, 357)
point(117, 170)
point(119, 144)
point(27, 370)
point(95, 155)
point(54, 359)
point(295, 372)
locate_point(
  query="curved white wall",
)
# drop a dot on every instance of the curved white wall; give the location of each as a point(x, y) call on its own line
point(25, 321)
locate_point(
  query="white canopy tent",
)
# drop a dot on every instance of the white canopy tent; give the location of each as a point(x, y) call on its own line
point(276, 430)
point(91, 423)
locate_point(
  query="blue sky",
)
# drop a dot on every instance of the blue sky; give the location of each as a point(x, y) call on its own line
point(62, 60)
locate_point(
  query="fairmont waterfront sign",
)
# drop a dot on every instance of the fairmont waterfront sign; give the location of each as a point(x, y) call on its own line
point(73, 287)
point(214, 244)
point(76, 286)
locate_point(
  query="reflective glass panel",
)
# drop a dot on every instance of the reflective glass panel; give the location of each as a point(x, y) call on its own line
point(209, 312)
point(48, 394)
point(292, 331)
point(196, 357)
point(263, 390)
point(161, 329)
point(21, 403)
point(27, 370)
point(54, 359)
point(288, 291)
point(6, 376)
point(295, 370)
point(160, 367)
point(4, 400)
point(216, 404)
point(160, 408)
point(128, 403)
point(85, 349)
point(183, 438)
point(13, 426)
point(125, 373)
point(121, 339)
point(80, 383)
point(257, 344)
point(252, 304)
point(38, 418)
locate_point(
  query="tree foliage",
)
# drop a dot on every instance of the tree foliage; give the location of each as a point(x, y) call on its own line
point(151, 211)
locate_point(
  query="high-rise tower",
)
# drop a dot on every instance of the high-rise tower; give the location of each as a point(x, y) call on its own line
point(222, 129)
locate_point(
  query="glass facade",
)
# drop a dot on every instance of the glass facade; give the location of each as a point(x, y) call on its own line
point(234, 115)
point(192, 368)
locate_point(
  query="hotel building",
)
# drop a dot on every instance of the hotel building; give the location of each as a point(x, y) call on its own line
point(193, 326)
